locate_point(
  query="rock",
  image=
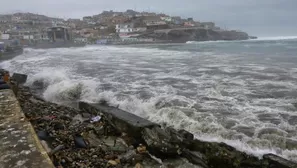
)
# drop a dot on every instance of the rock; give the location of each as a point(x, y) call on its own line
point(79, 142)
point(181, 137)
point(86, 115)
point(19, 78)
point(127, 157)
point(158, 160)
point(141, 149)
point(4, 86)
point(43, 135)
point(274, 161)
point(58, 125)
point(186, 135)
point(159, 144)
point(35, 101)
point(98, 129)
point(112, 163)
point(138, 158)
point(57, 149)
point(196, 158)
point(221, 155)
point(78, 119)
point(93, 140)
point(138, 165)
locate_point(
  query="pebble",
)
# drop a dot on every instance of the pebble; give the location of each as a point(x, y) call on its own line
point(138, 165)
point(67, 130)
point(112, 163)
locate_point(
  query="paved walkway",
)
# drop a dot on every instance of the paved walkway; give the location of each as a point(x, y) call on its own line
point(19, 145)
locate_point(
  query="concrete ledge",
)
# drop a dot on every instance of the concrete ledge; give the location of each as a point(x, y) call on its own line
point(124, 121)
point(19, 144)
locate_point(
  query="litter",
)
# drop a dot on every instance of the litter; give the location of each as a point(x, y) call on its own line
point(95, 119)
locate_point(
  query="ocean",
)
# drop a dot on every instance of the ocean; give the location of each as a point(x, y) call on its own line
point(243, 93)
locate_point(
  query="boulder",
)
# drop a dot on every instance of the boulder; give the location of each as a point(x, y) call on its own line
point(196, 158)
point(4, 86)
point(19, 78)
point(221, 155)
point(274, 161)
point(160, 142)
point(79, 141)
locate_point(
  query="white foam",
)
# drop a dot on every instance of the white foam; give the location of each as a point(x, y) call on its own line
point(276, 38)
point(201, 103)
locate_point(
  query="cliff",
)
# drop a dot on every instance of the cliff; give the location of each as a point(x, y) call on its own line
point(195, 34)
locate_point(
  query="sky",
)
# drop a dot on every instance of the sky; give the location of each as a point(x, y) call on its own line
point(262, 18)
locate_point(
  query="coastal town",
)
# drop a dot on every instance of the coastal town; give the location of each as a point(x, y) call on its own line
point(110, 27)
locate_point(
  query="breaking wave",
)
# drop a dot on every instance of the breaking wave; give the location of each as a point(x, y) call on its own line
point(277, 38)
point(243, 99)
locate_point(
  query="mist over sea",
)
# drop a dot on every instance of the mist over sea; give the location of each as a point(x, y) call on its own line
point(243, 93)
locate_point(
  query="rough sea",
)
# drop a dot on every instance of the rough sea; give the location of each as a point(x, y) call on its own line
point(243, 93)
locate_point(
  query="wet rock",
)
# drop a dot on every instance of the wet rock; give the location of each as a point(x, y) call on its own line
point(33, 100)
point(181, 137)
point(43, 135)
point(78, 119)
point(19, 78)
point(58, 125)
point(141, 149)
point(158, 141)
point(115, 144)
point(93, 140)
point(138, 165)
point(221, 155)
point(79, 142)
point(127, 157)
point(99, 130)
point(186, 135)
point(274, 161)
point(112, 163)
point(195, 158)
point(138, 158)
point(86, 115)
point(4, 86)
point(57, 149)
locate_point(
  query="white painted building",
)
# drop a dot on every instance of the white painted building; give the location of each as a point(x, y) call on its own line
point(125, 28)
point(28, 37)
point(4, 36)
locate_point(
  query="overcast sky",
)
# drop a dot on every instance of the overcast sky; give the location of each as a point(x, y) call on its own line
point(257, 17)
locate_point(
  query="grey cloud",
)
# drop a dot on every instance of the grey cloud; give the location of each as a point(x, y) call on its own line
point(259, 17)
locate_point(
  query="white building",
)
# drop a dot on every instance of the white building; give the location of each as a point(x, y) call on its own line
point(125, 28)
point(4, 36)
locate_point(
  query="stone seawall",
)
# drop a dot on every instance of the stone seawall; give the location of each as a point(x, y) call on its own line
point(19, 144)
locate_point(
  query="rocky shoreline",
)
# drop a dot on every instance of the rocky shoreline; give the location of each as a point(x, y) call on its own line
point(94, 136)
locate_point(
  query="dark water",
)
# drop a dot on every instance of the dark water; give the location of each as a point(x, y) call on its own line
point(243, 93)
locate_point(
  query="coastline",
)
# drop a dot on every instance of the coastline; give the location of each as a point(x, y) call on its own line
point(70, 132)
